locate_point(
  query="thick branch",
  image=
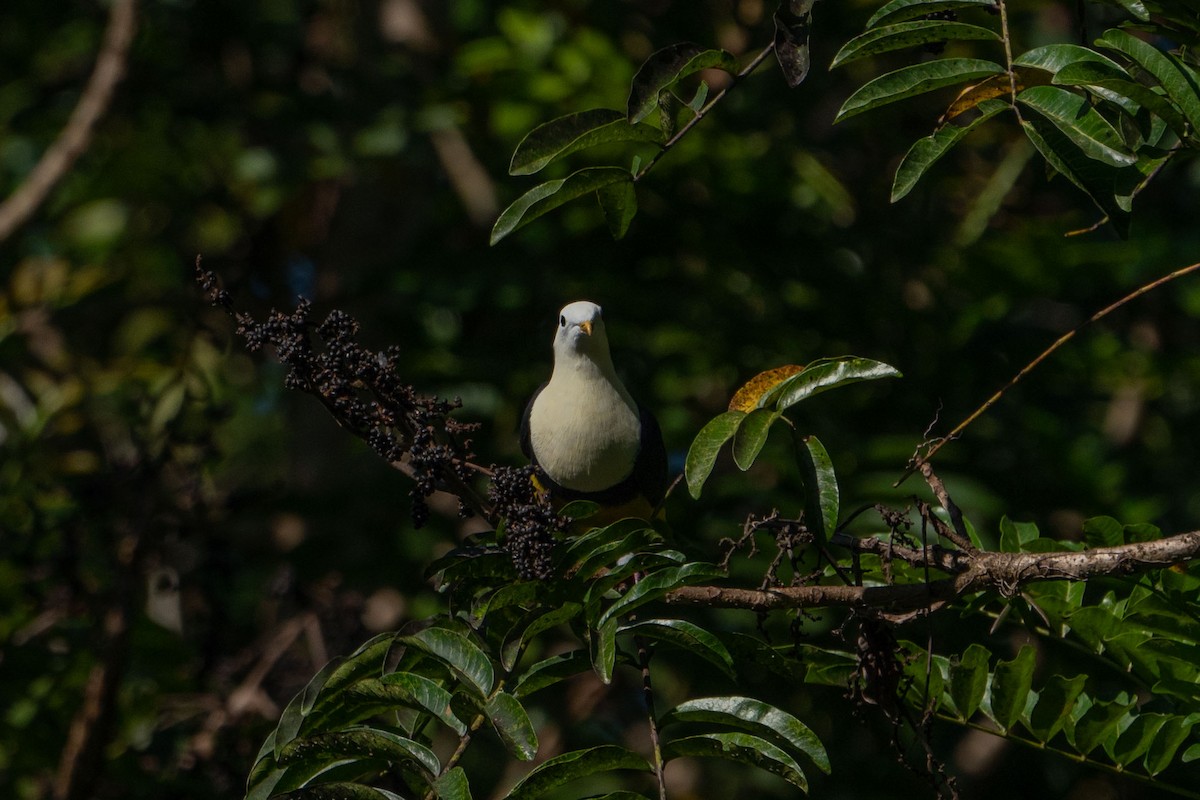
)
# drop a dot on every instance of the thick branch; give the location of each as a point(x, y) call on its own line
point(77, 134)
point(1003, 573)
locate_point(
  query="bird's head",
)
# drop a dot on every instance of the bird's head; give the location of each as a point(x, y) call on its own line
point(581, 332)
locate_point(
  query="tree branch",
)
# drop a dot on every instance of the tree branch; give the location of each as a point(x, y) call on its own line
point(1003, 573)
point(75, 137)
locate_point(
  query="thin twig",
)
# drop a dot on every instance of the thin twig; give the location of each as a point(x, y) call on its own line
point(648, 697)
point(75, 137)
point(1059, 342)
point(703, 112)
point(1008, 57)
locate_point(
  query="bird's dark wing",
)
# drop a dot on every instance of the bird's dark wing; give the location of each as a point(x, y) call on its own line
point(650, 469)
point(526, 443)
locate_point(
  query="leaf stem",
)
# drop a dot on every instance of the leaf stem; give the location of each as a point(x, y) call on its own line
point(648, 697)
point(1008, 57)
point(742, 73)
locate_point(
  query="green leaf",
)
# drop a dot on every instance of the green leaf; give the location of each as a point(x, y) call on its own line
point(913, 80)
point(1114, 79)
point(1170, 736)
point(927, 151)
point(908, 34)
point(687, 636)
point(535, 622)
point(1096, 179)
point(550, 671)
point(365, 662)
point(579, 509)
point(667, 66)
point(1170, 73)
point(968, 680)
point(1015, 535)
point(751, 435)
point(546, 197)
point(793, 22)
point(1135, 740)
point(899, 10)
point(453, 785)
point(1011, 682)
point(603, 642)
point(823, 375)
point(702, 455)
point(657, 584)
point(560, 137)
point(576, 764)
point(1096, 724)
point(1054, 704)
point(1191, 754)
point(420, 692)
point(821, 498)
point(459, 653)
point(740, 747)
point(1103, 532)
point(1136, 8)
point(1054, 57)
point(362, 742)
point(753, 716)
point(1074, 116)
point(511, 722)
point(619, 203)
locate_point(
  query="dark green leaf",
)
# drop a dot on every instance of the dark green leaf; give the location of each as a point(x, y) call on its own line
point(913, 80)
point(925, 152)
point(419, 692)
point(821, 498)
point(509, 719)
point(755, 717)
point(565, 135)
point(550, 195)
point(899, 10)
point(908, 34)
point(1015, 535)
point(362, 742)
point(604, 649)
point(687, 636)
point(453, 785)
point(1074, 116)
point(341, 790)
point(1103, 532)
point(740, 747)
point(1054, 57)
point(1107, 75)
point(1010, 687)
point(1171, 74)
point(618, 201)
point(657, 584)
point(1096, 724)
point(579, 509)
point(702, 455)
point(1171, 735)
point(1191, 754)
point(550, 671)
point(667, 66)
point(1135, 740)
point(751, 435)
point(459, 653)
point(576, 764)
point(793, 21)
point(1054, 704)
point(1136, 8)
point(968, 680)
point(535, 622)
point(825, 374)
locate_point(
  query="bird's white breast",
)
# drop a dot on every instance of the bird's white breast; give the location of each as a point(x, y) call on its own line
point(584, 430)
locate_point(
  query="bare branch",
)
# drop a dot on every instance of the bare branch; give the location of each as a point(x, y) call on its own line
point(1004, 573)
point(77, 135)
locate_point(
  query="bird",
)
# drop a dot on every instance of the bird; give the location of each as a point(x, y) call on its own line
point(586, 433)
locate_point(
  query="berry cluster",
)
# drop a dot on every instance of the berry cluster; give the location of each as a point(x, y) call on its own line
point(530, 522)
point(363, 391)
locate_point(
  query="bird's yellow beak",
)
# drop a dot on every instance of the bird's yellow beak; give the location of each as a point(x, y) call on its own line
point(586, 327)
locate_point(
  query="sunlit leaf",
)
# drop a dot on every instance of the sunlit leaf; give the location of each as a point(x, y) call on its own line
point(1109, 76)
point(667, 66)
point(459, 653)
point(560, 137)
point(550, 195)
point(913, 80)
point(1054, 57)
point(908, 34)
point(422, 693)
point(687, 636)
point(1073, 115)
point(751, 435)
point(561, 770)
point(740, 747)
point(702, 455)
point(754, 716)
point(1103, 532)
point(654, 586)
point(826, 374)
point(748, 396)
point(1171, 74)
point(1014, 536)
point(925, 152)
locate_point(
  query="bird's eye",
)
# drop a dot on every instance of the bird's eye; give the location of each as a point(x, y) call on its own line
point(562, 322)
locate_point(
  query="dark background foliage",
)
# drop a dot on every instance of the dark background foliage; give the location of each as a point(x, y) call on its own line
point(355, 153)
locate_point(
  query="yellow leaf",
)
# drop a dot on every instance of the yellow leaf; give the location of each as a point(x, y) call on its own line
point(746, 398)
